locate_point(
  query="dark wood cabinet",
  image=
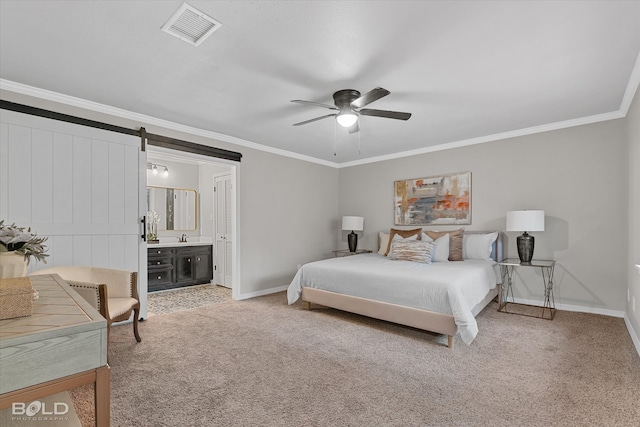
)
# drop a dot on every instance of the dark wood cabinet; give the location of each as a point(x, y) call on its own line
point(179, 266)
point(184, 268)
point(203, 268)
point(159, 268)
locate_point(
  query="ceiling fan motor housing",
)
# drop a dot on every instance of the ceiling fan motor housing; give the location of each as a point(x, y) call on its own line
point(344, 97)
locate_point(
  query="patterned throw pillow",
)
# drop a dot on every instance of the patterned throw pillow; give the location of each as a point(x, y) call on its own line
point(402, 233)
point(412, 250)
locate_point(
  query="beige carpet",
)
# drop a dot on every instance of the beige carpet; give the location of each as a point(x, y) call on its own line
point(262, 363)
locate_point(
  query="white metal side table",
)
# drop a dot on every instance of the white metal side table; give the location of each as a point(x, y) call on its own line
point(507, 267)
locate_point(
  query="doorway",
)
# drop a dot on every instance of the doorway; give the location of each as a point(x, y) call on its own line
point(200, 172)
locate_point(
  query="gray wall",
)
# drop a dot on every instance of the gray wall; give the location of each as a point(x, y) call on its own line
point(288, 213)
point(633, 135)
point(577, 175)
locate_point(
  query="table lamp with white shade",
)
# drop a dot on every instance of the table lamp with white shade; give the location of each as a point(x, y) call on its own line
point(353, 223)
point(525, 221)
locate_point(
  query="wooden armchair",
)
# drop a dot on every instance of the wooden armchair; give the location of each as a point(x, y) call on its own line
point(114, 293)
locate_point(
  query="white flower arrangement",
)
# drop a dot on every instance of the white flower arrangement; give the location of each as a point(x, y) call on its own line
point(153, 219)
point(17, 239)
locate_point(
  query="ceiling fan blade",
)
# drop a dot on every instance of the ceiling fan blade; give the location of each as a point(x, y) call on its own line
point(355, 128)
point(369, 97)
point(387, 114)
point(315, 104)
point(313, 120)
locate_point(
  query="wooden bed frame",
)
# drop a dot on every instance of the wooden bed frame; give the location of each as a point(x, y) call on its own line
point(408, 316)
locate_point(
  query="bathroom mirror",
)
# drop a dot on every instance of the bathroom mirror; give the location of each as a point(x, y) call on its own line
point(176, 208)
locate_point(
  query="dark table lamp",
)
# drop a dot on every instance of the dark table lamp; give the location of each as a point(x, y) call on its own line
point(353, 223)
point(525, 221)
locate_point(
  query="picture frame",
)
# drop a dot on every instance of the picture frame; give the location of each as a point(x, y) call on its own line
point(435, 200)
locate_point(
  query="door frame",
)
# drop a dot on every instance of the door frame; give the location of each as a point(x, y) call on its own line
point(143, 288)
point(234, 171)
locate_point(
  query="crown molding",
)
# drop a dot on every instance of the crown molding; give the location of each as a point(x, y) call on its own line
point(632, 86)
point(490, 138)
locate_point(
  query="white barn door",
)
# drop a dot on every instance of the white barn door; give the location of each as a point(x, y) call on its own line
point(77, 185)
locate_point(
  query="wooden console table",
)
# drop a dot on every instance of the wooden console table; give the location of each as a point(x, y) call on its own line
point(61, 346)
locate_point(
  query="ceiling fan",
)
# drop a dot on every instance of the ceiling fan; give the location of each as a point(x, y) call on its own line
point(349, 103)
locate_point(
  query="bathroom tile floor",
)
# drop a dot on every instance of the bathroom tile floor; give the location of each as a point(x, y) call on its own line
point(185, 298)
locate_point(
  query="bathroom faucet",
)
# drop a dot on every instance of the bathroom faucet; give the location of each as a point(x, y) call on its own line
point(183, 238)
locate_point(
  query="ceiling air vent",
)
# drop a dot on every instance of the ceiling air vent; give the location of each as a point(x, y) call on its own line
point(190, 25)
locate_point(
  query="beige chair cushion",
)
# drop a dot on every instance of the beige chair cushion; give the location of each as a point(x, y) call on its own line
point(118, 306)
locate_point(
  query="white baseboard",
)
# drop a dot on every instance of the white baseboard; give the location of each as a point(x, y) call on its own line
point(593, 310)
point(634, 335)
point(578, 308)
point(263, 292)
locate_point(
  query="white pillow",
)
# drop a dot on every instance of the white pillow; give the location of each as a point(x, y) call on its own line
point(384, 243)
point(478, 246)
point(441, 252)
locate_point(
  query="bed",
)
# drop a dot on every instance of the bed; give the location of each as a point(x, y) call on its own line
point(441, 297)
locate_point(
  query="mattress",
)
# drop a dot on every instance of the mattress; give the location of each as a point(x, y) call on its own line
point(445, 287)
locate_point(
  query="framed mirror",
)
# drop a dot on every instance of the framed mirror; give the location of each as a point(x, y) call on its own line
point(176, 208)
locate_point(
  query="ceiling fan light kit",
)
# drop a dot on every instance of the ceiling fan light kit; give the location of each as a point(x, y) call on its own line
point(347, 118)
point(349, 103)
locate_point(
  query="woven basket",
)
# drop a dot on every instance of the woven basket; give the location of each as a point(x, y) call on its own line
point(16, 298)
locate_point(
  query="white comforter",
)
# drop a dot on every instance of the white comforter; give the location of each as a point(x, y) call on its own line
point(444, 287)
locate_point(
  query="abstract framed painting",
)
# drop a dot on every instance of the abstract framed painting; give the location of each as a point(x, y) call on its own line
point(442, 199)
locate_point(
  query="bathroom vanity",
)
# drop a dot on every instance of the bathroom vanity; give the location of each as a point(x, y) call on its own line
point(178, 265)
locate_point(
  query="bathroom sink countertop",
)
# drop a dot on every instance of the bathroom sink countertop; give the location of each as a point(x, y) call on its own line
point(167, 244)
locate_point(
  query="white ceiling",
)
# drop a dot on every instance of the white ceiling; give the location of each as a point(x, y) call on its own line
point(469, 71)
